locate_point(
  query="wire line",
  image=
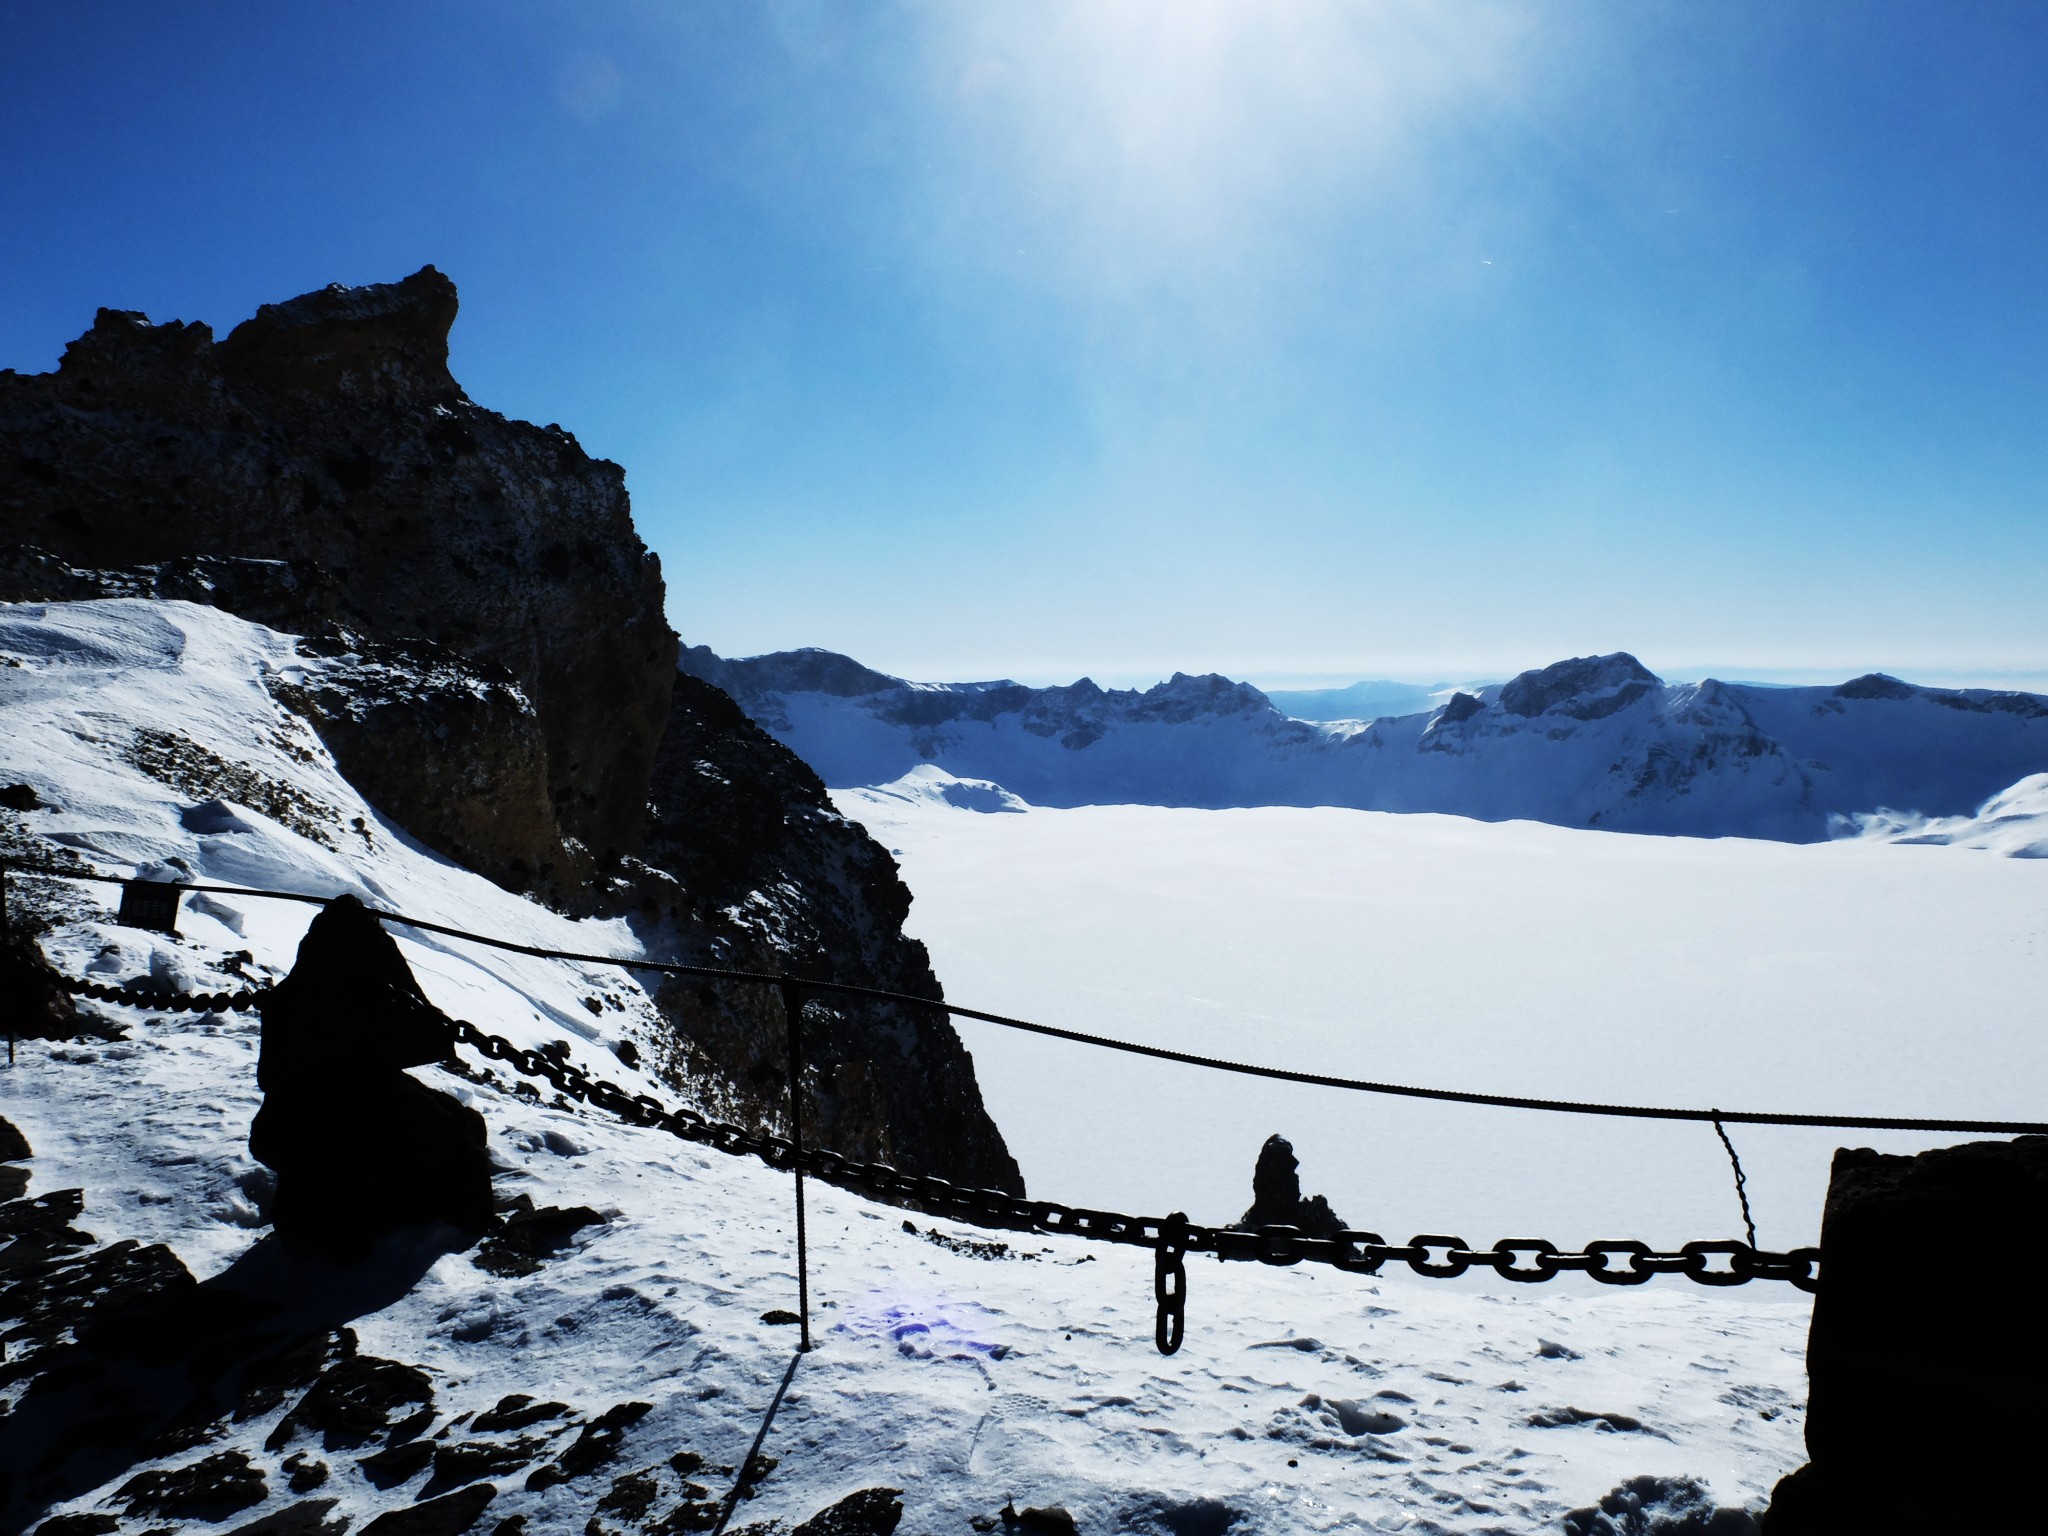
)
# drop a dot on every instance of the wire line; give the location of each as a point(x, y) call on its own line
point(1155, 1052)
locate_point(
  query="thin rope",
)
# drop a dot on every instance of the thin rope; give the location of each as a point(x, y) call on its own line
point(1157, 1053)
point(1741, 1179)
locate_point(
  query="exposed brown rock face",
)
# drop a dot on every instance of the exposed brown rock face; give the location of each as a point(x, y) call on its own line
point(458, 744)
point(328, 432)
point(778, 880)
point(486, 658)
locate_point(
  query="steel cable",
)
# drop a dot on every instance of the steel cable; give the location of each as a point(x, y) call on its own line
point(1133, 1048)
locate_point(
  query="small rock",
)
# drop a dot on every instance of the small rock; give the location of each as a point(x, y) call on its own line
point(1549, 1349)
point(455, 1465)
point(398, 1464)
point(630, 1497)
point(516, 1410)
point(870, 1512)
point(302, 1473)
point(780, 1317)
point(530, 1237)
point(600, 1441)
point(211, 1489)
point(448, 1516)
point(1566, 1418)
point(1049, 1521)
point(267, 1382)
point(352, 1403)
point(306, 1518)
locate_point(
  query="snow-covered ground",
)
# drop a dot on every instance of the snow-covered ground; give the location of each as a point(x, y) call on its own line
point(1301, 1399)
point(1854, 977)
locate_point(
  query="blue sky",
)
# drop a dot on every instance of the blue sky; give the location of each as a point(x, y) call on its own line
point(1298, 341)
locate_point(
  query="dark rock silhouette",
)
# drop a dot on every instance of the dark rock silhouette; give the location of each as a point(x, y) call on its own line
point(32, 1004)
point(1276, 1195)
point(360, 1147)
point(1930, 1294)
point(119, 1357)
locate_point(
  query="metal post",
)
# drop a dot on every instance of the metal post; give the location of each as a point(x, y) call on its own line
point(793, 1012)
point(6, 932)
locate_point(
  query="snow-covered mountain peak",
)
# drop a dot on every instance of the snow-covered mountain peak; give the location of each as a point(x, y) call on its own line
point(1590, 741)
point(1584, 688)
point(1875, 685)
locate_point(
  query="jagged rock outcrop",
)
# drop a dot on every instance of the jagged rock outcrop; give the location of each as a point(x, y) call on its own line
point(777, 879)
point(486, 658)
point(328, 433)
point(1277, 1200)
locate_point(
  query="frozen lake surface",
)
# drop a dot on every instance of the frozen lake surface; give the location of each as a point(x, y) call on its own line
point(1851, 978)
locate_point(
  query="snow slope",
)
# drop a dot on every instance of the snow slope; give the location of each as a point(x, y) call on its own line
point(1303, 1401)
point(1598, 741)
point(2014, 823)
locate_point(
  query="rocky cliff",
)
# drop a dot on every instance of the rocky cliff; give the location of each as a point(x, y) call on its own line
point(484, 656)
point(328, 433)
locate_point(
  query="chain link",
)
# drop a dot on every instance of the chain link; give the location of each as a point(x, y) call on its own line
point(1170, 1283)
point(170, 1002)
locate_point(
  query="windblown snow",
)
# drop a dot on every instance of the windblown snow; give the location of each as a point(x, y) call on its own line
point(974, 1376)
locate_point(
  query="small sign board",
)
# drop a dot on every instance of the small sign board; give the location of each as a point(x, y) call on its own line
point(151, 904)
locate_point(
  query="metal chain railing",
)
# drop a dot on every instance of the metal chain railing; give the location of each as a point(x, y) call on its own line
point(1528, 1260)
point(1622, 1261)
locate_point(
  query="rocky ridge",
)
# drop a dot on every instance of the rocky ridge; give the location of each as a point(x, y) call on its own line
point(1595, 741)
point(328, 433)
point(484, 655)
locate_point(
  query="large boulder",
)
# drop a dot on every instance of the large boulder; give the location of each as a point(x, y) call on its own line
point(360, 1148)
point(1928, 1347)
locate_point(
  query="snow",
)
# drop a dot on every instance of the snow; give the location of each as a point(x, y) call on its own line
point(2013, 822)
point(965, 1382)
point(1854, 975)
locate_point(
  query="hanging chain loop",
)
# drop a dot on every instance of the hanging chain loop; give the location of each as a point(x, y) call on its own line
point(1170, 1283)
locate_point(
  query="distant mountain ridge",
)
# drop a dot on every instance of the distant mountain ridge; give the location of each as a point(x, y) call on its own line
point(1596, 741)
